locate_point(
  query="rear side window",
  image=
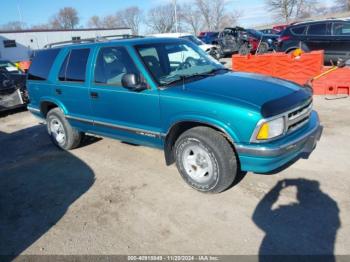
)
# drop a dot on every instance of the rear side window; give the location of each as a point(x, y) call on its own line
point(317, 29)
point(42, 63)
point(341, 28)
point(300, 30)
point(73, 68)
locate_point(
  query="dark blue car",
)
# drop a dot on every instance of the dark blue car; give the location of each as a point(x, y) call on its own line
point(210, 38)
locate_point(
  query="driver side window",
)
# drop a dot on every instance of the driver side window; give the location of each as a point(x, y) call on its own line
point(112, 64)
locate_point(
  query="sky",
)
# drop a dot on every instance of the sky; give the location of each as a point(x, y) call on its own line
point(39, 11)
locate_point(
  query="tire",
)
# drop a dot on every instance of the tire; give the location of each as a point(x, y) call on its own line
point(244, 50)
point(215, 54)
point(205, 160)
point(263, 48)
point(61, 132)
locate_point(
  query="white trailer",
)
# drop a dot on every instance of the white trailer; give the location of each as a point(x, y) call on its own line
point(19, 45)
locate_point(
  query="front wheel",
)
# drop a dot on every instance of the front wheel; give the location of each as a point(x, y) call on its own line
point(215, 53)
point(205, 159)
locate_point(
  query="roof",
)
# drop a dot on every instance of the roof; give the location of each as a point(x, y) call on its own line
point(125, 41)
point(173, 35)
point(61, 30)
point(321, 20)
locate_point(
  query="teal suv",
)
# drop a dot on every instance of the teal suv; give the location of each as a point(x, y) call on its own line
point(169, 94)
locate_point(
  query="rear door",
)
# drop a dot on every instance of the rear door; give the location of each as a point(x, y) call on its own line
point(71, 87)
point(319, 37)
point(340, 47)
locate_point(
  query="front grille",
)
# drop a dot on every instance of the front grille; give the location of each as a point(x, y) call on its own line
point(299, 117)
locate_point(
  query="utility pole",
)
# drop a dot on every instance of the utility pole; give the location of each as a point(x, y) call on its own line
point(19, 13)
point(175, 12)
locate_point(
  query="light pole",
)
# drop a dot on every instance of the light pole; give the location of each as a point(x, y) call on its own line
point(175, 13)
point(19, 13)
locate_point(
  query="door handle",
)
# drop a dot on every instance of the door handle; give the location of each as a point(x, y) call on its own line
point(94, 95)
point(58, 91)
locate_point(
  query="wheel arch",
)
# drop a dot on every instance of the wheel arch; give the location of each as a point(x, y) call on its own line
point(180, 127)
point(46, 104)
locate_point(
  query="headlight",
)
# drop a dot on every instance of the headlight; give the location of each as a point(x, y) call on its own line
point(270, 129)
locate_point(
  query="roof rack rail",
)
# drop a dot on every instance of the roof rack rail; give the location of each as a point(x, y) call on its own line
point(125, 36)
point(92, 40)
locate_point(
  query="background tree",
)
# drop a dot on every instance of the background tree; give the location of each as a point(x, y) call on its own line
point(216, 14)
point(40, 26)
point(191, 17)
point(13, 25)
point(344, 4)
point(110, 21)
point(289, 10)
point(205, 11)
point(130, 17)
point(161, 19)
point(94, 22)
point(66, 18)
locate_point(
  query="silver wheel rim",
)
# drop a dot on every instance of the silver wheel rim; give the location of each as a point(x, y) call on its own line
point(57, 131)
point(198, 164)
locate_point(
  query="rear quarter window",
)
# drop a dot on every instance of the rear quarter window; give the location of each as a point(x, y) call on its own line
point(41, 64)
point(341, 28)
point(299, 30)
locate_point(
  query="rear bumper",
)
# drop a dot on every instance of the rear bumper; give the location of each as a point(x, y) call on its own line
point(262, 158)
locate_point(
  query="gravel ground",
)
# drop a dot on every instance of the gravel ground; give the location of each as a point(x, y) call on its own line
point(108, 197)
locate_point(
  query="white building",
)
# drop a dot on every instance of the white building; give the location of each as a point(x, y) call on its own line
point(18, 45)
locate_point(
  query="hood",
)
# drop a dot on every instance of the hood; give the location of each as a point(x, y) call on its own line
point(271, 96)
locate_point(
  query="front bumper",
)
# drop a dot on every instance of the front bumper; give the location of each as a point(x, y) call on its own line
point(263, 158)
point(11, 101)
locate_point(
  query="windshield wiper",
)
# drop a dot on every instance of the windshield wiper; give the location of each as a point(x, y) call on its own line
point(181, 78)
point(218, 69)
point(204, 74)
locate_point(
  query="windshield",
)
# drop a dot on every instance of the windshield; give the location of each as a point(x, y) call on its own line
point(170, 62)
point(9, 67)
point(193, 39)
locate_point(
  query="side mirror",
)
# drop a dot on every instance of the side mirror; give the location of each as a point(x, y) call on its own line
point(133, 82)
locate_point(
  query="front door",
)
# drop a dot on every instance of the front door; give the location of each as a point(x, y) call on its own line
point(117, 111)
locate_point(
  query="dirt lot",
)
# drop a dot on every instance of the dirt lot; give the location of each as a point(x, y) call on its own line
point(112, 198)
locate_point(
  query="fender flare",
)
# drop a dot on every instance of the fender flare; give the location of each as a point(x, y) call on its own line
point(171, 135)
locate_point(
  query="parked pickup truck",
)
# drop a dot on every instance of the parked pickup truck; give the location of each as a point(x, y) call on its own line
point(169, 94)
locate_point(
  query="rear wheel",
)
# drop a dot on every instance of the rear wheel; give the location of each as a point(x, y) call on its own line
point(61, 132)
point(263, 48)
point(205, 160)
point(244, 50)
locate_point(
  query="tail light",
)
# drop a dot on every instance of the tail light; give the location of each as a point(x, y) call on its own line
point(283, 38)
